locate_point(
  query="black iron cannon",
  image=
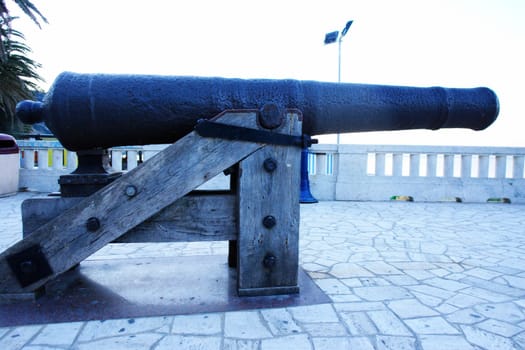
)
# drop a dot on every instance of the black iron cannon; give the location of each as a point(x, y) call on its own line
point(87, 111)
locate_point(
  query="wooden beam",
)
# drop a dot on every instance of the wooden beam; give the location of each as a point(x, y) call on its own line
point(203, 216)
point(268, 243)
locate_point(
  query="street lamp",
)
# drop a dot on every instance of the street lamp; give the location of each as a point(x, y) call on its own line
point(331, 38)
point(305, 196)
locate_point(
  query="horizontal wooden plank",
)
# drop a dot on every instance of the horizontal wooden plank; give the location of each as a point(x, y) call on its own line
point(207, 216)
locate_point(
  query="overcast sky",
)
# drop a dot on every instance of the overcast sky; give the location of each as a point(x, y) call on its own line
point(451, 43)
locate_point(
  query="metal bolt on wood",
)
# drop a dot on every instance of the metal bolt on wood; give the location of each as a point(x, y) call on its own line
point(269, 221)
point(131, 191)
point(92, 224)
point(269, 261)
point(270, 165)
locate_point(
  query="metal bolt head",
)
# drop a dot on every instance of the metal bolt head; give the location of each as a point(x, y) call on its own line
point(269, 221)
point(269, 261)
point(271, 116)
point(270, 165)
point(92, 224)
point(131, 191)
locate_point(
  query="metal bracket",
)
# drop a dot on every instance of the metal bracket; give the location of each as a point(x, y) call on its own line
point(206, 128)
point(29, 265)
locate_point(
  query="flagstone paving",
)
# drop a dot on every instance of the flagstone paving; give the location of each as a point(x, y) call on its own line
point(400, 276)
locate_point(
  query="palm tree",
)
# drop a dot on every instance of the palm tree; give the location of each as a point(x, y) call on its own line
point(18, 76)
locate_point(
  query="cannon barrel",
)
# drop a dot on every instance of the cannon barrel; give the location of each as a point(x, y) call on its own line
point(87, 111)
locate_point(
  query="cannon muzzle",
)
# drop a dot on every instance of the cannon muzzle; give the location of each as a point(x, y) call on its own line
point(87, 111)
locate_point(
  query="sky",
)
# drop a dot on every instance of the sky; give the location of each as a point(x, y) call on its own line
point(450, 43)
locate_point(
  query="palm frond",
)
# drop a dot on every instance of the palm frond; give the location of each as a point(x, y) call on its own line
point(5, 20)
point(31, 11)
point(18, 73)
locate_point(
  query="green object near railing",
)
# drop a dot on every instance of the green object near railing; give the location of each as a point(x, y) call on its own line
point(498, 200)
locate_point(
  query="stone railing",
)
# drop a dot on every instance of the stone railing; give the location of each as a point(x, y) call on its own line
point(425, 173)
point(43, 162)
point(344, 172)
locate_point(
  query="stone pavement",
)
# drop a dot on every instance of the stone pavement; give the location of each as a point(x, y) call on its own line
point(400, 275)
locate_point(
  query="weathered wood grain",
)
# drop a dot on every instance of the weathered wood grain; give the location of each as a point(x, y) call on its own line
point(205, 216)
point(191, 218)
point(263, 193)
point(65, 241)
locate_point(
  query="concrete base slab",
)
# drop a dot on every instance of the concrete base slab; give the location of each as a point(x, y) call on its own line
point(128, 288)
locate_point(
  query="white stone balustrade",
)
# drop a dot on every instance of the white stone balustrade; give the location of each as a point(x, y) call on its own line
point(43, 162)
point(344, 172)
point(426, 173)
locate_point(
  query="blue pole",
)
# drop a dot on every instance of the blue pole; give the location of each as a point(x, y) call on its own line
point(305, 194)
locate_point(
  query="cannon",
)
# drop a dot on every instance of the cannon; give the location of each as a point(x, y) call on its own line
point(86, 111)
point(252, 129)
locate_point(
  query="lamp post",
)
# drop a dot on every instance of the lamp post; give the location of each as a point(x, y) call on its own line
point(331, 38)
point(305, 196)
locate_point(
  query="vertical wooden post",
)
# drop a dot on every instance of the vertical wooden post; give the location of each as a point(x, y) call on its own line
point(268, 241)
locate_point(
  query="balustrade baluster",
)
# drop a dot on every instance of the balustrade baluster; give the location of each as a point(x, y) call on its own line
point(483, 168)
point(42, 159)
point(397, 166)
point(132, 159)
point(116, 160)
point(414, 164)
point(466, 165)
point(518, 162)
point(448, 165)
point(320, 163)
point(71, 160)
point(58, 159)
point(501, 166)
point(431, 165)
point(29, 159)
point(380, 164)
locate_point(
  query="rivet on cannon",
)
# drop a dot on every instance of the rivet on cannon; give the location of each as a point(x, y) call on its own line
point(269, 261)
point(270, 165)
point(92, 224)
point(131, 191)
point(270, 116)
point(269, 221)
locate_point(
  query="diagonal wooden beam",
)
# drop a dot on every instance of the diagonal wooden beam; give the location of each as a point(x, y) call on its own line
point(114, 210)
